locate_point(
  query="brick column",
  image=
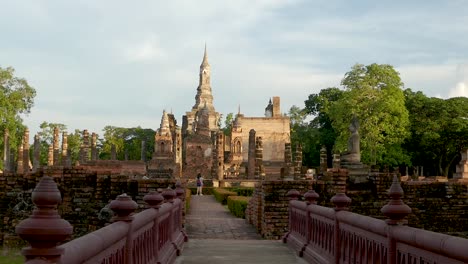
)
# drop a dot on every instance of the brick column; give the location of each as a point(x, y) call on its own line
point(94, 154)
point(56, 149)
point(37, 153)
point(251, 156)
point(65, 149)
point(26, 151)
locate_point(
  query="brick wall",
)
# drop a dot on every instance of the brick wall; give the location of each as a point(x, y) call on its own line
point(84, 194)
point(268, 208)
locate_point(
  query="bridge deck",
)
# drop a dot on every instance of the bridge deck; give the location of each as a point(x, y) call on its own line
point(216, 236)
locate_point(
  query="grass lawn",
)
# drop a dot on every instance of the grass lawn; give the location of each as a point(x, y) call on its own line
point(11, 256)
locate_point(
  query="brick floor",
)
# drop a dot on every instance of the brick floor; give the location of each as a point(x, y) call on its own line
point(216, 236)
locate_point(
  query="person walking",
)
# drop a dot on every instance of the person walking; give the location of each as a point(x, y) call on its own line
point(199, 184)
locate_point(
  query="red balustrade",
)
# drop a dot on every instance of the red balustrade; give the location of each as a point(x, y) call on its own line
point(154, 235)
point(334, 235)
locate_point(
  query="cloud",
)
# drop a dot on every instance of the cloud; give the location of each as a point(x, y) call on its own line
point(146, 50)
point(461, 89)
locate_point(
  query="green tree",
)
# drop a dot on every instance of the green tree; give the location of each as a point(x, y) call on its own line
point(127, 140)
point(46, 137)
point(318, 105)
point(228, 124)
point(304, 134)
point(439, 131)
point(374, 95)
point(16, 98)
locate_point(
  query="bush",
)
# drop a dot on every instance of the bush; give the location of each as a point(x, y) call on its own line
point(221, 195)
point(237, 205)
point(243, 191)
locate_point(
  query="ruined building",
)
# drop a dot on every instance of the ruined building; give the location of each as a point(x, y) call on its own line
point(206, 150)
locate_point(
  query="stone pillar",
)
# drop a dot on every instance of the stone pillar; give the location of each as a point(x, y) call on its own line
point(339, 177)
point(85, 147)
point(251, 155)
point(126, 154)
point(336, 161)
point(298, 162)
point(65, 149)
point(220, 155)
point(26, 151)
point(50, 156)
point(289, 168)
point(323, 160)
point(6, 151)
point(56, 149)
point(259, 168)
point(94, 153)
point(113, 154)
point(20, 166)
point(462, 166)
point(143, 151)
point(36, 153)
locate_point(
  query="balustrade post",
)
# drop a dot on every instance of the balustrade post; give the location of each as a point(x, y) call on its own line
point(396, 210)
point(169, 196)
point(154, 199)
point(124, 206)
point(293, 195)
point(44, 229)
point(311, 198)
point(341, 202)
point(180, 192)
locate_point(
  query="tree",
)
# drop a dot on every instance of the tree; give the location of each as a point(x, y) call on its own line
point(46, 135)
point(16, 98)
point(304, 134)
point(373, 94)
point(318, 105)
point(439, 131)
point(127, 140)
point(228, 124)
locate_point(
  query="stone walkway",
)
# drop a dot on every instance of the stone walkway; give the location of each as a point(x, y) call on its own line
point(216, 236)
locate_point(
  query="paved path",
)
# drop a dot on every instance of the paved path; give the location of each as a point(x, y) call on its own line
point(216, 236)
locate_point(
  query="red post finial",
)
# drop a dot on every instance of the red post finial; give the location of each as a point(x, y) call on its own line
point(293, 194)
point(396, 209)
point(123, 206)
point(179, 190)
point(44, 229)
point(341, 202)
point(311, 197)
point(169, 195)
point(153, 199)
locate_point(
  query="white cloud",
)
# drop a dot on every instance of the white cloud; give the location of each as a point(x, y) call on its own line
point(147, 50)
point(461, 89)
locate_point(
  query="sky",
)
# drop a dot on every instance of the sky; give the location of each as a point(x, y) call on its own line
point(121, 63)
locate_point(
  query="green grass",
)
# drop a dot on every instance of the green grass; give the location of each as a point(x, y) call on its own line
point(11, 256)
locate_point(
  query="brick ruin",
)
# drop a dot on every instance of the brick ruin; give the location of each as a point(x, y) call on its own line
point(438, 206)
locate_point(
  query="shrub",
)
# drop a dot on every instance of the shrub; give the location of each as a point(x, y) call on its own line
point(237, 205)
point(221, 195)
point(243, 191)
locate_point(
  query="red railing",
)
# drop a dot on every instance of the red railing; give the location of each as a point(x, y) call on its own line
point(154, 235)
point(334, 235)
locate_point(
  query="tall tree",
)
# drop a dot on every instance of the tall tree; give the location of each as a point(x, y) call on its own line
point(304, 134)
point(374, 95)
point(16, 98)
point(318, 105)
point(228, 124)
point(127, 140)
point(46, 135)
point(439, 131)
